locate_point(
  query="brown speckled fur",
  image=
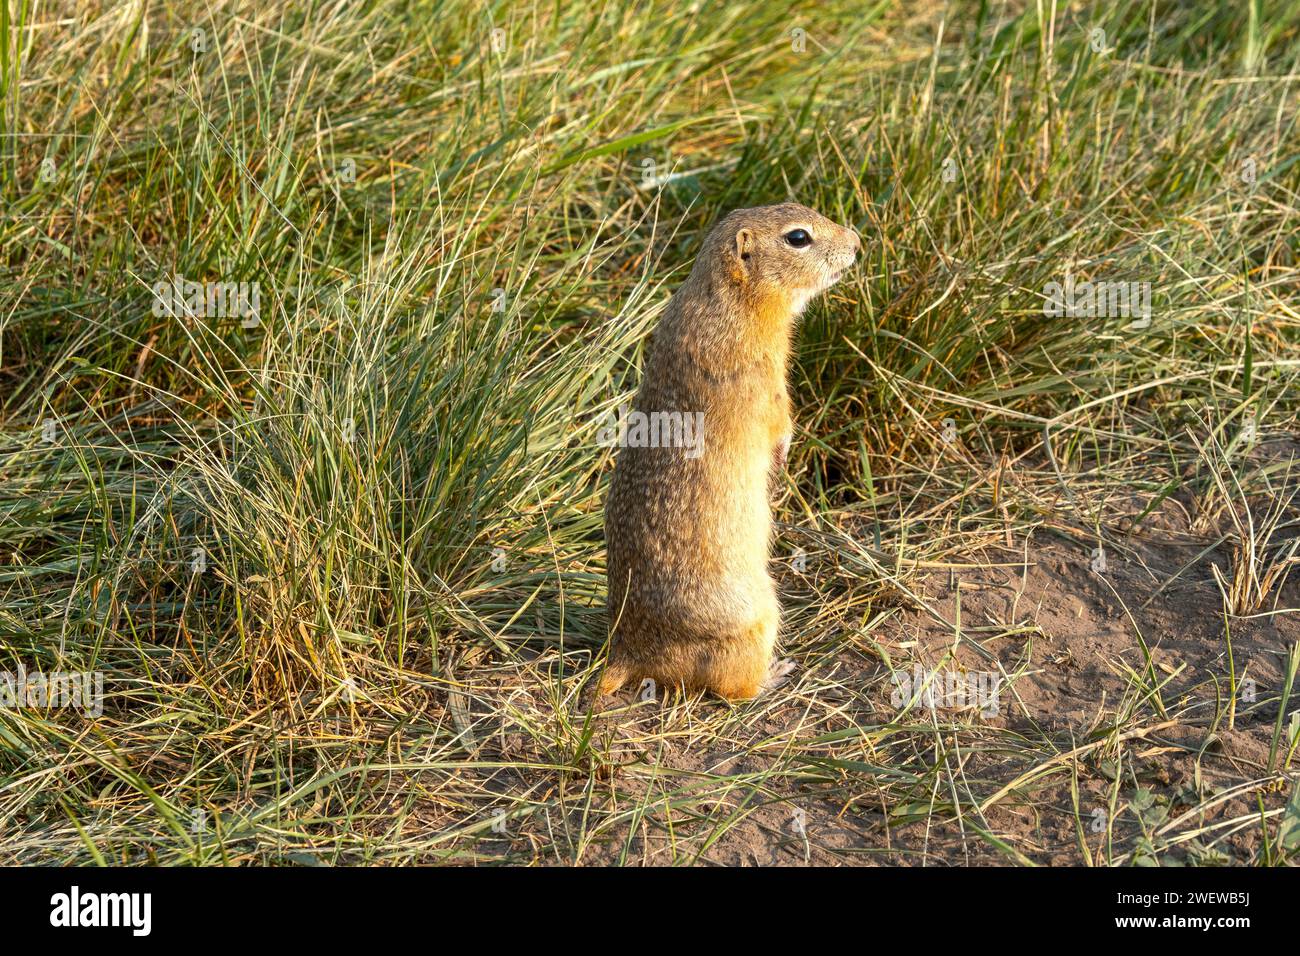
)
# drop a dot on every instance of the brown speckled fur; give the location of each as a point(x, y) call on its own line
point(691, 602)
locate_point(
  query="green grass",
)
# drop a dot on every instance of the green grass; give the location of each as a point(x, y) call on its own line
point(391, 482)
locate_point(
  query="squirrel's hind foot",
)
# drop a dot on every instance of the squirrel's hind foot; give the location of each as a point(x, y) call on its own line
point(778, 675)
point(613, 679)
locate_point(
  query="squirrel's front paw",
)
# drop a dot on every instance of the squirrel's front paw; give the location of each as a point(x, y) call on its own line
point(782, 453)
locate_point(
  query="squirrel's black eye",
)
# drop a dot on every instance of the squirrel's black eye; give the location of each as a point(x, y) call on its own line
point(798, 238)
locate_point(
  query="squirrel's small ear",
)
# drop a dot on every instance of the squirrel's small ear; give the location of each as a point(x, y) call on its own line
point(744, 244)
point(744, 249)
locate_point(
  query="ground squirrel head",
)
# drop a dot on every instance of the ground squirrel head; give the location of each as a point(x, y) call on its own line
point(777, 257)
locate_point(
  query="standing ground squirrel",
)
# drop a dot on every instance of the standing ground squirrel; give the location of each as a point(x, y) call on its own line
point(688, 524)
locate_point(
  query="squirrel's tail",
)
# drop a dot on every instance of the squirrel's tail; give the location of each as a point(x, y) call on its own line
point(614, 677)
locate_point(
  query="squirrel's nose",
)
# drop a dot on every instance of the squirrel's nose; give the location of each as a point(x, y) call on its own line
point(857, 242)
